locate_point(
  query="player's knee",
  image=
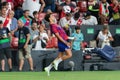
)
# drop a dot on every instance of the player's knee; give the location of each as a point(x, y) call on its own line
point(69, 55)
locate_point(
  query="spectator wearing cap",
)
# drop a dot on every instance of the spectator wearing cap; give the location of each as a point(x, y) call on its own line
point(69, 3)
point(78, 39)
point(89, 19)
point(65, 10)
point(73, 7)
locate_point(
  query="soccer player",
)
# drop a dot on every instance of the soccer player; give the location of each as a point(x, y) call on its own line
point(63, 44)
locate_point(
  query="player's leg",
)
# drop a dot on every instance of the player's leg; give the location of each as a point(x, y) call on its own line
point(68, 54)
point(62, 57)
point(58, 60)
point(48, 68)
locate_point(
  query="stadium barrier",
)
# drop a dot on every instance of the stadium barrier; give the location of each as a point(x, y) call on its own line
point(43, 58)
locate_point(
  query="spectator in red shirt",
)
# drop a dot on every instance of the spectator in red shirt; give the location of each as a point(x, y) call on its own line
point(114, 9)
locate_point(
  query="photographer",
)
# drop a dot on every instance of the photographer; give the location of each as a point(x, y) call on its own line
point(24, 46)
point(5, 47)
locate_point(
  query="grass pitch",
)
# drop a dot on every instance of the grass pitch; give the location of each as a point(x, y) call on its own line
point(79, 75)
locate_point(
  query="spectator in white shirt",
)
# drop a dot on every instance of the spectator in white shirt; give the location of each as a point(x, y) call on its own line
point(104, 37)
point(75, 20)
point(89, 19)
point(65, 22)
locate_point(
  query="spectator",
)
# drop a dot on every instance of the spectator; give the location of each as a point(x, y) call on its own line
point(35, 18)
point(104, 37)
point(43, 36)
point(69, 3)
point(8, 19)
point(18, 12)
point(24, 46)
point(26, 19)
point(89, 19)
point(3, 14)
point(104, 11)
point(65, 22)
point(12, 25)
point(73, 8)
point(31, 5)
point(41, 39)
point(49, 4)
point(114, 9)
point(78, 38)
point(7, 6)
point(18, 3)
point(93, 7)
point(76, 20)
point(65, 10)
point(34, 33)
point(5, 47)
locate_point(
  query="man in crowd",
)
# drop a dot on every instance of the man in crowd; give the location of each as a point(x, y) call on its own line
point(24, 46)
point(5, 47)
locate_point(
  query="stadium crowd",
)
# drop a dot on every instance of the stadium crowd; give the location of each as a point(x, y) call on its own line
point(24, 23)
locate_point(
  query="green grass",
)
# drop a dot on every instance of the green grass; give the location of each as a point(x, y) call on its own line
point(79, 75)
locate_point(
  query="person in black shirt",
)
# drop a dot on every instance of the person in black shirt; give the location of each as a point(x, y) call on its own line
point(5, 47)
point(24, 45)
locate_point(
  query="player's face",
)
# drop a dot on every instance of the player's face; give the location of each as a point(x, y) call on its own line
point(52, 18)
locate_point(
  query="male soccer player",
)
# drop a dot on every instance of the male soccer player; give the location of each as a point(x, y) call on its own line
point(63, 44)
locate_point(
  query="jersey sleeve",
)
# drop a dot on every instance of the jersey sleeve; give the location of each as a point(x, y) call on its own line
point(54, 29)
